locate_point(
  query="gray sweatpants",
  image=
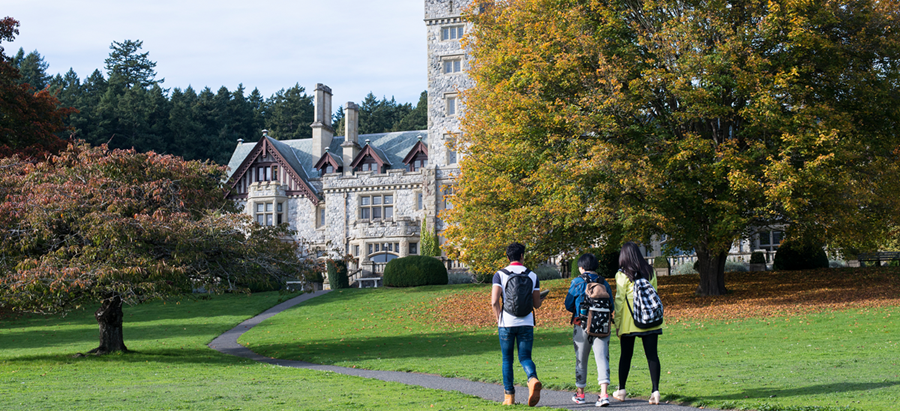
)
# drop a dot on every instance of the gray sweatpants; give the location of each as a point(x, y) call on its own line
point(582, 350)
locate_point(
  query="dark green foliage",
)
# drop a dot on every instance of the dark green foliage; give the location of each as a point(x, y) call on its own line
point(793, 255)
point(660, 262)
point(758, 257)
point(33, 69)
point(128, 67)
point(415, 270)
point(288, 114)
point(337, 274)
point(608, 263)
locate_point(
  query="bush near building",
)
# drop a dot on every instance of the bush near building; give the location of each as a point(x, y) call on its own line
point(415, 270)
point(793, 255)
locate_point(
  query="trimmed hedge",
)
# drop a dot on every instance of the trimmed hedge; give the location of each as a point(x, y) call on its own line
point(337, 274)
point(795, 256)
point(757, 257)
point(660, 262)
point(415, 270)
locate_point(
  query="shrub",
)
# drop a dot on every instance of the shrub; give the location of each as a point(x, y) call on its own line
point(757, 257)
point(686, 268)
point(793, 255)
point(546, 272)
point(735, 266)
point(660, 262)
point(459, 278)
point(836, 264)
point(337, 274)
point(483, 278)
point(415, 270)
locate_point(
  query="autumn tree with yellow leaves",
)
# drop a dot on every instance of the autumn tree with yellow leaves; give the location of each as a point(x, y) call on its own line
point(593, 122)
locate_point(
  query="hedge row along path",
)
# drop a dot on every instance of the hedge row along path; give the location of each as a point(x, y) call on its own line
point(227, 343)
point(751, 294)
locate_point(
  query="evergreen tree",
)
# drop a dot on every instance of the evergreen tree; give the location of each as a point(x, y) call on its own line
point(127, 66)
point(288, 114)
point(33, 69)
point(417, 119)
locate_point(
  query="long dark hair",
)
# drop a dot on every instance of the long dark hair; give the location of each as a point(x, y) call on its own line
point(632, 262)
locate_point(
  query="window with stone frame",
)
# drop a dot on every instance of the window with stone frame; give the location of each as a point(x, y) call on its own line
point(452, 65)
point(320, 216)
point(420, 201)
point(451, 32)
point(269, 212)
point(376, 207)
point(448, 197)
point(451, 100)
point(413, 248)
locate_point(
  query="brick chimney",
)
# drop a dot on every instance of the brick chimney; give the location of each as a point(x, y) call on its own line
point(351, 136)
point(322, 132)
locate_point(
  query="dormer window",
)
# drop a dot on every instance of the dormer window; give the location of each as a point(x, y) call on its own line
point(368, 164)
point(419, 162)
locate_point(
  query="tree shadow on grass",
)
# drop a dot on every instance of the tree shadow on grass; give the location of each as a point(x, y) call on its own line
point(763, 393)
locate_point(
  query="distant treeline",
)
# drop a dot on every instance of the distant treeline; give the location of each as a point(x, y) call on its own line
point(128, 108)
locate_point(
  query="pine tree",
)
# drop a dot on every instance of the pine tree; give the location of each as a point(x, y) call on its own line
point(128, 67)
point(288, 114)
point(33, 69)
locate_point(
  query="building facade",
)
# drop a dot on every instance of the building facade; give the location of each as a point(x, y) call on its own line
point(364, 195)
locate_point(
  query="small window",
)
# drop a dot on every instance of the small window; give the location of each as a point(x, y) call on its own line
point(451, 106)
point(269, 213)
point(356, 250)
point(452, 33)
point(320, 217)
point(414, 248)
point(420, 203)
point(451, 156)
point(452, 66)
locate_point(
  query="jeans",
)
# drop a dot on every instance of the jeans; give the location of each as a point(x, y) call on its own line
point(582, 351)
point(510, 338)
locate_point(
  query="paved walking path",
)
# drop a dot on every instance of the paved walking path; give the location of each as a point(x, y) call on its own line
point(227, 343)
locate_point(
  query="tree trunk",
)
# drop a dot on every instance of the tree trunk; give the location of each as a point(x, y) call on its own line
point(712, 272)
point(109, 318)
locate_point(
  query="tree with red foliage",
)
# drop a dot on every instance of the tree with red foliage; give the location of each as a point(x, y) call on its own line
point(29, 119)
point(92, 225)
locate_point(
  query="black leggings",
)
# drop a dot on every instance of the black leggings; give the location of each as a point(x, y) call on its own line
point(650, 342)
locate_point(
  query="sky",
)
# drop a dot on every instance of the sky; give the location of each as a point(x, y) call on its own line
point(352, 46)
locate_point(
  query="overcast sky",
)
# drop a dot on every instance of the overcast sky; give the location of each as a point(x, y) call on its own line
point(353, 46)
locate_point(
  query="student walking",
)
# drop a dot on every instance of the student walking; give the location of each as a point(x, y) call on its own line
point(581, 306)
point(634, 268)
point(520, 291)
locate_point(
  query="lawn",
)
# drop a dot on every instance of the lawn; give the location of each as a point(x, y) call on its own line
point(172, 368)
point(816, 340)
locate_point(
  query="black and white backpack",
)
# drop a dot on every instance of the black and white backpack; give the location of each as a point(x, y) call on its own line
point(518, 294)
point(648, 308)
point(599, 312)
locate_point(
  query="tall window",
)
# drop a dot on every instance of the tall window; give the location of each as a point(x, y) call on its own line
point(420, 203)
point(320, 216)
point(379, 206)
point(452, 33)
point(448, 196)
point(269, 213)
point(451, 105)
point(451, 156)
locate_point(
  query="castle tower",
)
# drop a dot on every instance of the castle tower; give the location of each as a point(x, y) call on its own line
point(447, 65)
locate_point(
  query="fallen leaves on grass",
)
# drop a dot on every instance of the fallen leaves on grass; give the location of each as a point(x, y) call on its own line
point(750, 294)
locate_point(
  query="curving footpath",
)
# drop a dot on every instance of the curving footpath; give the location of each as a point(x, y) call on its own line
point(227, 343)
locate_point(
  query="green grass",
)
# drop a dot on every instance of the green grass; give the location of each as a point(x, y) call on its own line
point(171, 368)
point(823, 361)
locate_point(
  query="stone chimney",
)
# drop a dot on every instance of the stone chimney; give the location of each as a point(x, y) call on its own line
point(351, 136)
point(322, 133)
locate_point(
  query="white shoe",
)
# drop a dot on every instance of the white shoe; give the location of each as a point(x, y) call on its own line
point(654, 398)
point(620, 395)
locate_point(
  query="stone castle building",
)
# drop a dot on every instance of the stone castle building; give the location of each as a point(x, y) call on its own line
point(366, 195)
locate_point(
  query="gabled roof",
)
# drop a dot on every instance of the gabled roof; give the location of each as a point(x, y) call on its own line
point(370, 150)
point(420, 147)
point(246, 154)
point(328, 158)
